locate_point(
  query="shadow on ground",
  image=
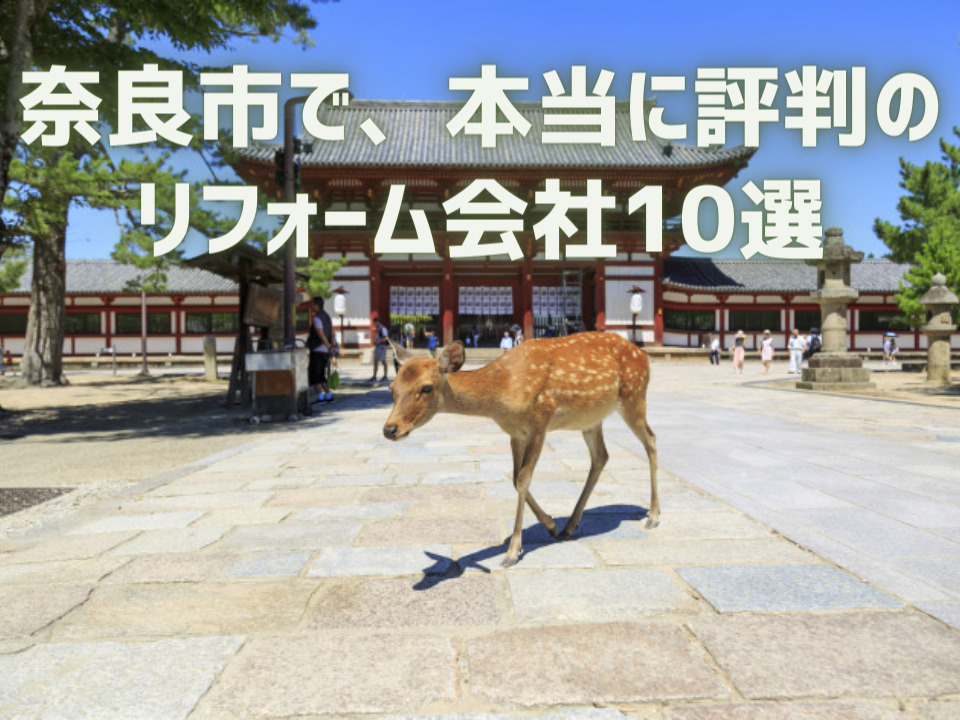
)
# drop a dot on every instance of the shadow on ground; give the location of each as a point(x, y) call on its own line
point(201, 414)
point(595, 521)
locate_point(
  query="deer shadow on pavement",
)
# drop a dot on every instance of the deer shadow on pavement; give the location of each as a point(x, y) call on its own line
point(624, 520)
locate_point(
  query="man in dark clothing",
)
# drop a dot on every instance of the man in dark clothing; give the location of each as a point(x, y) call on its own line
point(320, 342)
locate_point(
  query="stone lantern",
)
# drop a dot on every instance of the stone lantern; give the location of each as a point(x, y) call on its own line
point(938, 301)
point(833, 368)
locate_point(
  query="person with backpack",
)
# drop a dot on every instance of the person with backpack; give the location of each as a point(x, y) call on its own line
point(320, 344)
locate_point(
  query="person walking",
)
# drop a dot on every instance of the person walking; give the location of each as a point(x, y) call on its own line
point(796, 346)
point(739, 350)
point(507, 342)
point(381, 339)
point(715, 350)
point(766, 351)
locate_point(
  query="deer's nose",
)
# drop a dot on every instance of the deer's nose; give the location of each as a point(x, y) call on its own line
point(390, 432)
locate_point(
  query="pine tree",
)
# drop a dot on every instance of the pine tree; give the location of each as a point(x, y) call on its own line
point(45, 181)
point(929, 234)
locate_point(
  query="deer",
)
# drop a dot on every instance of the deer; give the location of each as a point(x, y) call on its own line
point(569, 383)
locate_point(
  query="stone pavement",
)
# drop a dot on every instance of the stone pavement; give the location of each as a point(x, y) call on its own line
point(324, 572)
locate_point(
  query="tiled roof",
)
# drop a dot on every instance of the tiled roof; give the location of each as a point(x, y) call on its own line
point(110, 276)
point(417, 136)
point(731, 275)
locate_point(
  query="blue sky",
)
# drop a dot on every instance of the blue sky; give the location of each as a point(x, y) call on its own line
point(409, 51)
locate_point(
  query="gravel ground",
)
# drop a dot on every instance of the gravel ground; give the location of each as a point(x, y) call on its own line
point(102, 433)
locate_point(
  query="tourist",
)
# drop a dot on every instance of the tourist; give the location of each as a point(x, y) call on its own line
point(507, 342)
point(766, 351)
point(796, 347)
point(739, 350)
point(381, 339)
point(714, 349)
point(320, 343)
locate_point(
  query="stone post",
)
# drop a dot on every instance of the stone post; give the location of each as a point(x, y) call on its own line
point(833, 368)
point(939, 301)
point(210, 357)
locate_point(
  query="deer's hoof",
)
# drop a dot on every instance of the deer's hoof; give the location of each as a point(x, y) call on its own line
point(510, 561)
point(567, 533)
point(651, 523)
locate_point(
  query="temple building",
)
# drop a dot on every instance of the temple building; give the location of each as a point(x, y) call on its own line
point(452, 296)
point(652, 296)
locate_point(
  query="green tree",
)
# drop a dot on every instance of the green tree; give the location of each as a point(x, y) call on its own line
point(90, 34)
point(939, 254)
point(107, 37)
point(320, 272)
point(928, 236)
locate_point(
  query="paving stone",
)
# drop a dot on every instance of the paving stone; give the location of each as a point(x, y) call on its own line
point(66, 547)
point(865, 654)
point(168, 609)
point(427, 531)
point(375, 477)
point(272, 563)
point(242, 516)
point(168, 567)
point(941, 572)
point(347, 562)
point(291, 537)
point(593, 596)
point(552, 555)
point(364, 511)
point(320, 674)
point(284, 482)
point(154, 521)
point(610, 663)
point(940, 710)
point(584, 713)
point(65, 572)
point(771, 588)
point(204, 501)
point(946, 610)
point(785, 711)
point(876, 535)
point(106, 681)
point(465, 477)
point(708, 525)
point(478, 508)
point(541, 490)
point(313, 496)
point(27, 609)
point(180, 540)
point(192, 486)
point(656, 551)
point(423, 493)
point(401, 603)
point(613, 523)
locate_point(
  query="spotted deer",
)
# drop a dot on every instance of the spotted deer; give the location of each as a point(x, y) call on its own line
point(568, 383)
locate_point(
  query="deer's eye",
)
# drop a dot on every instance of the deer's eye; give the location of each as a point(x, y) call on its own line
point(426, 389)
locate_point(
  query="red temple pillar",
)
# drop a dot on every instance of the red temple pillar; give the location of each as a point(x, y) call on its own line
point(600, 296)
point(526, 297)
point(658, 302)
point(447, 299)
point(374, 295)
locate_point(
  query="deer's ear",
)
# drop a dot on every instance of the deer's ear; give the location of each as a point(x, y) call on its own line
point(400, 355)
point(452, 357)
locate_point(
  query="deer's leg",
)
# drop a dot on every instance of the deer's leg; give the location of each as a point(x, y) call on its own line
point(598, 458)
point(529, 455)
point(635, 414)
point(517, 447)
